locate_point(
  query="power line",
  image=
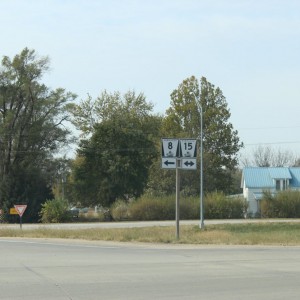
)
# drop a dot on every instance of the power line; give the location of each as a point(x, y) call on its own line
point(267, 128)
point(273, 143)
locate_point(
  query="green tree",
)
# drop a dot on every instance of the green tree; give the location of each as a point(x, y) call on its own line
point(31, 130)
point(114, 162)
point(221, 143)
point(114, 105)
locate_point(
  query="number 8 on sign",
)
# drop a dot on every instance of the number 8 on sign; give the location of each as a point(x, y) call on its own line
point(170, 147)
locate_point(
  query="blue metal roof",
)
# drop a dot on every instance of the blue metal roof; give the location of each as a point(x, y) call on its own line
point(280, 173)
point(295, 172)
point(257, 177)
point(262, 177)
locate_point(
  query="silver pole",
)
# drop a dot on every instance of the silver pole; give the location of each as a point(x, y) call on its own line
point(199, 106)
point(201, 169)
point(177, 198)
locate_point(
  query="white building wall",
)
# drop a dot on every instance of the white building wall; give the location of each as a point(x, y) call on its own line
point(253, 204)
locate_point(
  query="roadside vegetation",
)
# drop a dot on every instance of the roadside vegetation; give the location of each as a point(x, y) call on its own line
point(283, 234)
point(117, 166)
point(149, 208)
point(285, 204)
point(118, 153)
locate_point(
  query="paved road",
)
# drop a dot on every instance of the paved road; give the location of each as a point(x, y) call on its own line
point(46, 269)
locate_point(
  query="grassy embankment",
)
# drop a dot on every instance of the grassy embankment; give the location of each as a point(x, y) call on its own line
point(229, 234)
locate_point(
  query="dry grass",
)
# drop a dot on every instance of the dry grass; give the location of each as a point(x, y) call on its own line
point(234, 234)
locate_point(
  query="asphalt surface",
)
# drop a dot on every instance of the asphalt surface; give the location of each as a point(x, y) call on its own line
point(38, 269)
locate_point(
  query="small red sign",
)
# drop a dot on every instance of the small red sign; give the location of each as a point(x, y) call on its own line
point(20, 209)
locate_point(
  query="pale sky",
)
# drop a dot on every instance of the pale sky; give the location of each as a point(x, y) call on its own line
point(250, 49)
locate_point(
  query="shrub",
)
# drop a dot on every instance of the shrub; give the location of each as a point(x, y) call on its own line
point(119, 210)
point(189, 208)
point(152, 208)
point(149, 208)
point(92, 216)
point(163, 208)
point(285, 204)
point(55, 211)
point(219, 206)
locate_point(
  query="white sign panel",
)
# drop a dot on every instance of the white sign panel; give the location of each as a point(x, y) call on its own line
point(188, 147)
point(170, 147)
point(168, 163)
point(183, 150)
point(189, 163)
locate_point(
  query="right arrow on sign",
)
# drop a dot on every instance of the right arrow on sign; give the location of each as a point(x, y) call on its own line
point(189, 163)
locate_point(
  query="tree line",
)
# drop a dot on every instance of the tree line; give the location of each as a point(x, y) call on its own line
point(119, 149)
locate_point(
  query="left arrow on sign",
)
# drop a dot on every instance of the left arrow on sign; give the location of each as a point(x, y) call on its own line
point(168, 163)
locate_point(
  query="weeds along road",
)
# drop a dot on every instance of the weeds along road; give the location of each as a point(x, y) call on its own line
point(139, 224)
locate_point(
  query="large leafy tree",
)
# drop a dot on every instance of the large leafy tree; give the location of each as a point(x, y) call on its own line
point(110, 106)
point(114, 158)
point(221, 143)
point(31, 130)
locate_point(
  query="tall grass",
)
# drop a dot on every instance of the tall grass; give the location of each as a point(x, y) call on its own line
point(228, 234)
point(148, 208)
point(285, 204)
point(218, 206)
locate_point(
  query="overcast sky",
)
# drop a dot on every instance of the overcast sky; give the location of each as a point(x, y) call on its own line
point(250, 49)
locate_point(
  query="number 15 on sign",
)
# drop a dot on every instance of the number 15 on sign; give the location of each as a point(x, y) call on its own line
point(188, 147)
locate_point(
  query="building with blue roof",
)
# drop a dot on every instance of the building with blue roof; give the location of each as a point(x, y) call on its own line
point(256, 180)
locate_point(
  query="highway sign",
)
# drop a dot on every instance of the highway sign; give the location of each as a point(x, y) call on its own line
point(170, 147)
point(168, 163)
point(20, 209)
point(188, 147)
point(182, 149)
point(189, 163)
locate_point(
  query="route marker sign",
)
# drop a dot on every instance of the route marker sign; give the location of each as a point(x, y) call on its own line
point(170, 148)
point(179, 153)
point(188, 148)
point(170, 151)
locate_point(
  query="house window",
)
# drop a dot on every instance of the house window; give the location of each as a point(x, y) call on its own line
point(278, 185)
point(284, 185)
point(281, 184)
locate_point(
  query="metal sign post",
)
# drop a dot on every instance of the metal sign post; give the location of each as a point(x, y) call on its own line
point(177, 198)
point(179, 154)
